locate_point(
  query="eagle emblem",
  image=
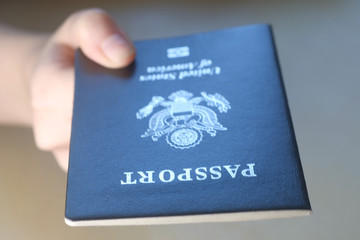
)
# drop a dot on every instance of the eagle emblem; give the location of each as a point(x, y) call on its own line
point(183, 118)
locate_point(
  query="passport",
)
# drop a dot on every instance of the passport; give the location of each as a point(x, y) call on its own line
point(196, 129)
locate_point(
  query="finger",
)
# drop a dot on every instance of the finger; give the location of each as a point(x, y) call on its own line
point(62, 157)
point(98, 36)
point(52, 110)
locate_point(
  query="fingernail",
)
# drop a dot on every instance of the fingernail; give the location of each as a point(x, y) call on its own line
point(116, 48)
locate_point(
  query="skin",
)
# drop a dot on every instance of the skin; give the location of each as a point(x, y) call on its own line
point(37, 74)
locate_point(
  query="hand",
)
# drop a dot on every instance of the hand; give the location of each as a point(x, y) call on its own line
point(51, 73)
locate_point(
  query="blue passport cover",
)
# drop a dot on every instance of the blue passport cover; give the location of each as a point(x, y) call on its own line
point(197, 125)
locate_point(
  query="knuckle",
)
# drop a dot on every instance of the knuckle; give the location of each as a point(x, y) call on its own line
point(87, 15)
point(46, 142)
point(85, 22)
point(43, 143)
point(50, 136)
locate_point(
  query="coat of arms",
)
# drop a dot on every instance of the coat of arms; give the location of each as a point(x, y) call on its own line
point(183, 119)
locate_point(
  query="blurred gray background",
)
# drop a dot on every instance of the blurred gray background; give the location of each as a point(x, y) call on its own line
point(319, 49)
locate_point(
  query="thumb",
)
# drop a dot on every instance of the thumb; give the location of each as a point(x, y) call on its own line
point(98, 36)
